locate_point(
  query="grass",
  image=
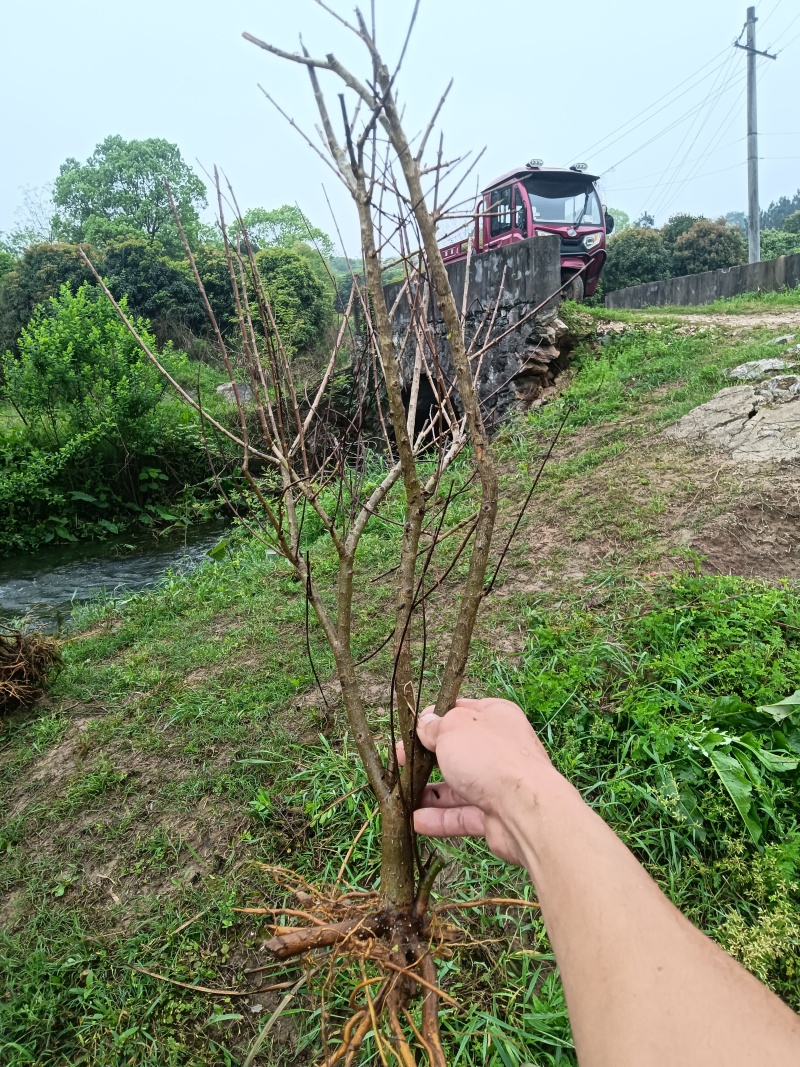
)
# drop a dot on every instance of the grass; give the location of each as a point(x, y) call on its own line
point(184, 744)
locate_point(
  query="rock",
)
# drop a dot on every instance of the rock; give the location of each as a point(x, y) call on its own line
point(781, 340)
point(756, 368)
point(243, 388)
point(755, 424)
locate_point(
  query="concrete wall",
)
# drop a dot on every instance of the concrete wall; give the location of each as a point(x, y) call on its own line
point(516, 369)
point(768, 276)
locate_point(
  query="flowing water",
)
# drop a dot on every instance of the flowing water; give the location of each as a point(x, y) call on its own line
point(47, 585)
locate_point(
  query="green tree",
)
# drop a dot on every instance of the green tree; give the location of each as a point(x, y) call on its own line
point(284, 227)
point(622, 219)
point(772, 218)
point(301, 302)
point(156, 287)
point(776, 243)
point(36, 276)
point(708, 245)
point(7, 262)
point(78, 368)
point(791, 224)
point(676, 226)
point(738, 219)
point(634, 256)
point(120, 189)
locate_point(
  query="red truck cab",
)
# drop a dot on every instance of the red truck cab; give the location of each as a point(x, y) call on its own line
point(535, 200)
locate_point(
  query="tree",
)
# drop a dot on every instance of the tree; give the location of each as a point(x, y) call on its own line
point(776, 243)
point(37, 275)
point(791, 224)
point(324, 473)
point(7, 263)
point(675, 227)
point(79, 368)
point(772, 218)
point(645, 221)
point(302, 303)
point(738, 219)
point(622, 219)
point(636, 255)
point(156, 287)
point(284, 227)
point(708, 245)
point(120, 189)
point(35, 220)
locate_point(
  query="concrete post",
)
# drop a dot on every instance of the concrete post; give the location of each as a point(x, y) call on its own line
point(753, 209)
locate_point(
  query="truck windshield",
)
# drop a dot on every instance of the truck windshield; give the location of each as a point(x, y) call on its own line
point(562, 198)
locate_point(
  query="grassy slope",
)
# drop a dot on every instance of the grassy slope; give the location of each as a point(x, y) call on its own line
point(184, 743)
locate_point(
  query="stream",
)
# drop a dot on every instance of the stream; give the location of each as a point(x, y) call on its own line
point(47, 585)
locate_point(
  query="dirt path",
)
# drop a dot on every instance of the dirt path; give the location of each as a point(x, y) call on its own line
point(778, 319)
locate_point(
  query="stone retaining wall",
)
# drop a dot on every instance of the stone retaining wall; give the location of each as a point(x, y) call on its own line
point(518, 366)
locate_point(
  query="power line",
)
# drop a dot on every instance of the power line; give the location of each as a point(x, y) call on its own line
point(766, 18)
point(603, 140)
point(783, 33)
point(705, 174)
point(712, 104)
point(734, 81)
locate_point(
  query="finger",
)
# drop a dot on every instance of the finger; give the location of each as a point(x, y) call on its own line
point(428, 728)
point(440, 795)
point(466, 821)
point(400, 752)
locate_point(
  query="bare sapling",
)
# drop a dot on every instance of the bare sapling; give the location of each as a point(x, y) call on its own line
point(298, 455)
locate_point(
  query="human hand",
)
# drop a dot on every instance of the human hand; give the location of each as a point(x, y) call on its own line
point(491, 759)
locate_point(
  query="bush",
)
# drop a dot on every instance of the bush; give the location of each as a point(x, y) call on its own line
point(634, 256)
point(677, 226)
point(35, 277)
point(707, 245)
point(156, 287)
point(301, 302)
point(99, 445)
point(776, 243)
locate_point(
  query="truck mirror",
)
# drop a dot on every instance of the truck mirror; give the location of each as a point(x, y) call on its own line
point(609, 224)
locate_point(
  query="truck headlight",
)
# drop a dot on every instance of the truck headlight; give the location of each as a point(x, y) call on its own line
point(592, 240)
point(544, 233)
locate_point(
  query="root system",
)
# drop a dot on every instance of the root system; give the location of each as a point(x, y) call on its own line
point(26, 661)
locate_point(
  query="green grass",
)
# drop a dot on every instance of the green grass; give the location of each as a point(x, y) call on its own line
point(185, 744)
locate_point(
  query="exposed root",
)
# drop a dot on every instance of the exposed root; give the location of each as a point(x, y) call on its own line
point(26, 660)
point(396, 952)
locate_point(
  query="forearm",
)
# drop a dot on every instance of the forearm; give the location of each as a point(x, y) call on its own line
point(643, 986)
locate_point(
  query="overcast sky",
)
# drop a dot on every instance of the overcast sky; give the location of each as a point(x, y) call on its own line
point(531, 79)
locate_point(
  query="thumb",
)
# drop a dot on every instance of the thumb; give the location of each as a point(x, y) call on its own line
point(428, 725)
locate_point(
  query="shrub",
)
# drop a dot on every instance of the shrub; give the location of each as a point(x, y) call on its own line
point(677, 226)
point(36, 276)
point(301, 302)
point(98, 448)
point(708, 245)
point(776, 243)
point(634, 256)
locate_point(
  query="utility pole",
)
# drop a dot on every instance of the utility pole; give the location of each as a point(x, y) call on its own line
point(753, 209)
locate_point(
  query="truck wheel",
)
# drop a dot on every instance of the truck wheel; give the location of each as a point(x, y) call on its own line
point(574, 291)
